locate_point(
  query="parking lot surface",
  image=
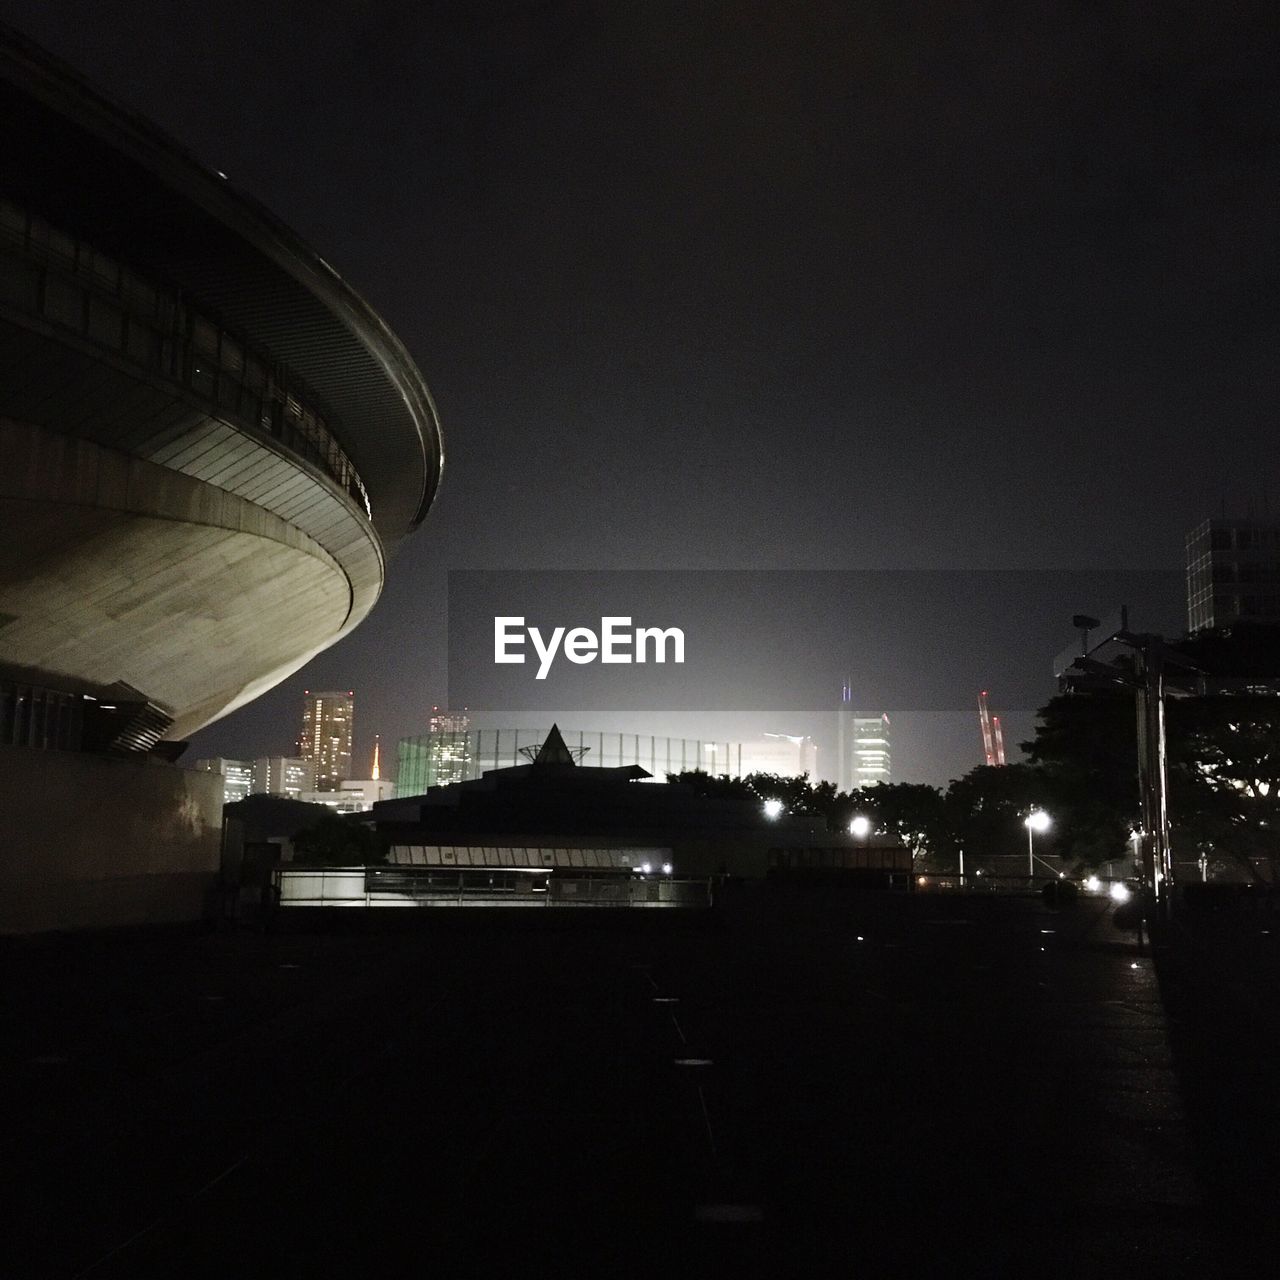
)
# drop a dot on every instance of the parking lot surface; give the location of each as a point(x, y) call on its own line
point(797, 1083)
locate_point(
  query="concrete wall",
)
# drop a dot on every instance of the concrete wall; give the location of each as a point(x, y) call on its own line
point(92, 842)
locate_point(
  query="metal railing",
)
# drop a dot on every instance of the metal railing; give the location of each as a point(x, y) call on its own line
point(345, 887)
point(73, 286)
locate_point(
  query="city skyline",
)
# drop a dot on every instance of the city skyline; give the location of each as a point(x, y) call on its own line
point(994, 283)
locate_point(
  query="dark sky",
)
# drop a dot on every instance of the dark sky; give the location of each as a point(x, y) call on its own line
point(701, 285)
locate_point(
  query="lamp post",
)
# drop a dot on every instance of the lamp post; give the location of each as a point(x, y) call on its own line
point(860, 827)
point(1036, 820)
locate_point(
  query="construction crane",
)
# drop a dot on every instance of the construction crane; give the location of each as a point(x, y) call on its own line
point(992, 734)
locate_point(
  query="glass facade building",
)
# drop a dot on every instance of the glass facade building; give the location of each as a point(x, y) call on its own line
point(433, 759)
point(1233, 573)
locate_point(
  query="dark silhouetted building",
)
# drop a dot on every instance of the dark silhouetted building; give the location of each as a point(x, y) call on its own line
point(553, 814)
point(1233, 573)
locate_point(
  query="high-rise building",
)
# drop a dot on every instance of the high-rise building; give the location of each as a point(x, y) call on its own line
point(1233, 573)
point(871, 759)
point(448, 721)
point(328, 722)
point(448, 751)
point(237, 776)
point(862, 746)
point(283, 776)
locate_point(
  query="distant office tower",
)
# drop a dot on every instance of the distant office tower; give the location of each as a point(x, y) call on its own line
point(355, 795)
point(862, 746)
point(1233, 573)
point(871, 760)
point(283, 776)
point(448, 749)
point(448, 721)
point(780, 753)
point(328, 720)
point(237, 776)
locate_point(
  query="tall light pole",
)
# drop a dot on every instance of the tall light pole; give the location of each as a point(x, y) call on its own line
point(1036, 820)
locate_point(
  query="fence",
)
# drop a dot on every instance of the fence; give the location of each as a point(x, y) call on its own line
point(436, 887)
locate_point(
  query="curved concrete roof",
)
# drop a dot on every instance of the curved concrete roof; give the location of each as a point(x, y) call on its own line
point(135, 193)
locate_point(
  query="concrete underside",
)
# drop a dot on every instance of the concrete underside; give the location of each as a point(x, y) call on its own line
point(115, 568)
point(90, 841)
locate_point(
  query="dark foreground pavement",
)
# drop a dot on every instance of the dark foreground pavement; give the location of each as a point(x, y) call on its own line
point(801, 1085)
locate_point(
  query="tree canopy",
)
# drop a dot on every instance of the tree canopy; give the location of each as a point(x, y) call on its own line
point(1081, 766)
point(336, 841)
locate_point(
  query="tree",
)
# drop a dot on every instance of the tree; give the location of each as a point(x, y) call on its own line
point(1085, 750)
point(798, 795)
point(337, 841)
point(913, 811)
point(986, 807)
point(1223, 751)
point(1225, 777)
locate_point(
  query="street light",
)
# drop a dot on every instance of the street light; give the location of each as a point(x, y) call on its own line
point(1036, 820)
point(772, 809)
point(860, 827)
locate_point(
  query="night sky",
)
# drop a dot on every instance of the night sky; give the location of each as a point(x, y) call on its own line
point(732, 286)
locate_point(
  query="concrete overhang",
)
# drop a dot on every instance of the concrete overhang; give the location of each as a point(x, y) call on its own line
point(130, 190)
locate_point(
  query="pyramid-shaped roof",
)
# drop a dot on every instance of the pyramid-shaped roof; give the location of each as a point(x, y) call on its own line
point(553, 750)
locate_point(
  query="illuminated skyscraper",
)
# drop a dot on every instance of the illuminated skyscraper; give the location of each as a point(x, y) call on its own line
point(862, 746)
point(328, 721)
point(449, 750)
point(871, 759)
point(448, 721)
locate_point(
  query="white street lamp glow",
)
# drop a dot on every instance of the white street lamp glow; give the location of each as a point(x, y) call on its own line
point(772, 808)
point(1120, 892)
point(1036, 820)
point(860, 826)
